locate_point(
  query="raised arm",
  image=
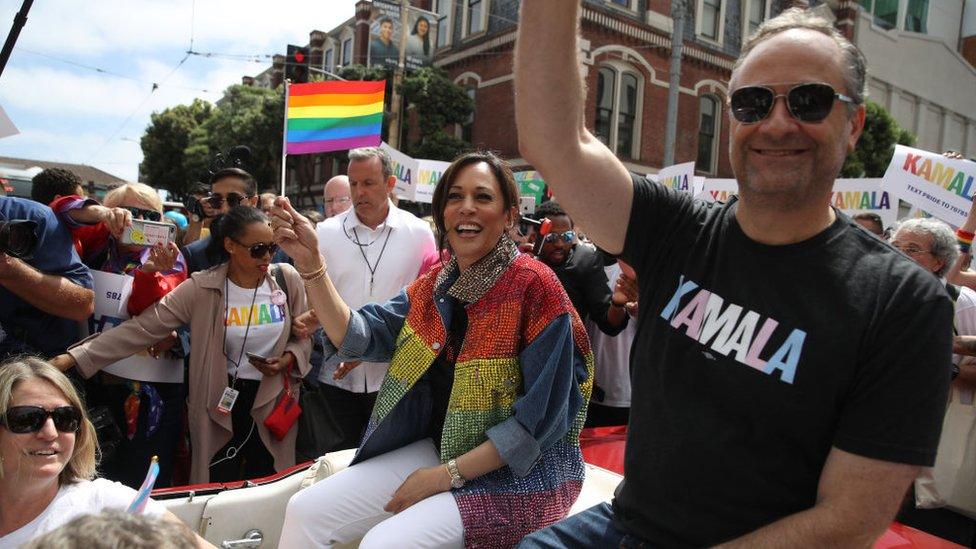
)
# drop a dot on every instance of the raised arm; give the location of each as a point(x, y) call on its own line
point(591, 183)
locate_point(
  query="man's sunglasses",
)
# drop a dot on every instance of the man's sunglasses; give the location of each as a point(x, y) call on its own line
point(141, 213)
point(216, 200)
point(31, 419)
point(258, 250)
point(567, 236)
point(806, 102)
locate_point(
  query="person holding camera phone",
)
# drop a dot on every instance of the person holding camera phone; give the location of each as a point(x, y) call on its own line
point(45, 289)
point(229, 187)
point(144, 392)
point(243, 304)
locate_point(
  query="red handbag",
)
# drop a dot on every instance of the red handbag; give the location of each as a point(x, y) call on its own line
point(285, 413)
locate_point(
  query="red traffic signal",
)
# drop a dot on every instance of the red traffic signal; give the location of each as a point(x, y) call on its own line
point(296, 64)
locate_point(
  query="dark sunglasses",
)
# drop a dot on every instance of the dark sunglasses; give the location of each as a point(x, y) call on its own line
point(806, 102)
point(216, 200)
point(31, 419)
point(140, 213)
point(258, 250)
point(567, 236)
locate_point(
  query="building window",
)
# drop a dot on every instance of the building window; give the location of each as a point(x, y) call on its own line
point(710, 19)
point(346, 51)
point(443, 8)
point(618, 100)
point(916, 19)
point(475, 16)
point(628, 4)
point(467, 133)
point(885, 12)
point(329, 60)
point(756, 12)
point(708, 116)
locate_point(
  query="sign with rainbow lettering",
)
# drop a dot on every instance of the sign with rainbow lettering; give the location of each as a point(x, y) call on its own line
point(403, 169)
point(854, 196)
point(680, 177)
point(936, 184)
point(429, 172)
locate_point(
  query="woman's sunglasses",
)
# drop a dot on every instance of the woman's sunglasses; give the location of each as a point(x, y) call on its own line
point(141, 213)
point(31, 419)
point(567, 236)
point(806, 102)
point(258, 250)
point(216, 200)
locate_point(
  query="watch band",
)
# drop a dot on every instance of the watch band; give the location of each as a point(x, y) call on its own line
point(457, 481)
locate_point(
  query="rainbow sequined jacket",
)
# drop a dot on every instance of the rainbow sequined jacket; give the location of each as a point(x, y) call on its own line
point(522, 378)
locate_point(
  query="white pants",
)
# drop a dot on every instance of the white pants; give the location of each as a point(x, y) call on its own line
point(349, 505)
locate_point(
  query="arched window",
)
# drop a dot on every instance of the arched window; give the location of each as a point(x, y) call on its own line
point(709, 111)
point(618, 100)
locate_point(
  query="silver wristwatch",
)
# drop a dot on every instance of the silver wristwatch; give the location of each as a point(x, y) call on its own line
point(457, 481)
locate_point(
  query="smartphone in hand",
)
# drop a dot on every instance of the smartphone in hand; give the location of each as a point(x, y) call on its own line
point(256, 357)
point(148, 233)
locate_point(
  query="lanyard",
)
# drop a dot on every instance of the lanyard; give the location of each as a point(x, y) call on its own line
point(250, 313)
point(362, 251)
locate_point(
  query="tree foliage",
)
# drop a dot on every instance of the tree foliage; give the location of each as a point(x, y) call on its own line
point(181, 142)
point(164, 146)
point(439, 103)
point(877, 144)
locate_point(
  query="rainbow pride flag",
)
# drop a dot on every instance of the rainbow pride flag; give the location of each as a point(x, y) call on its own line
point(333, 116)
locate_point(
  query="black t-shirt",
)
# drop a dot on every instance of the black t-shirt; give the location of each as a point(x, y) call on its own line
point(751, 361)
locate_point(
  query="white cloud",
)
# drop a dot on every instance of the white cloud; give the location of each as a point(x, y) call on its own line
point(73, 114)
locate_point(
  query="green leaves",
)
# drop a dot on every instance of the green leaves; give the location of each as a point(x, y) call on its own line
point(877, 144)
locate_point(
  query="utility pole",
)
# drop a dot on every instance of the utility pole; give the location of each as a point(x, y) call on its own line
point(19, 21)
point(395, 99)
point(678, 8)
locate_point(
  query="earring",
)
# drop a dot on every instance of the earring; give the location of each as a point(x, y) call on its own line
point(1, 467)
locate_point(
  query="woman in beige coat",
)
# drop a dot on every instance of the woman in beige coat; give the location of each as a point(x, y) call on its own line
point(242, 350)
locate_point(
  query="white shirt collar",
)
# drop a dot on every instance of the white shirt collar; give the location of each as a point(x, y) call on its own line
point(392, 220)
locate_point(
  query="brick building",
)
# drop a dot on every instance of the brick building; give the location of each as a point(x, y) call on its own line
point(626, 47)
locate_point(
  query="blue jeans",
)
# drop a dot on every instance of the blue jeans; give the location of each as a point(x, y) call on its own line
point(591, 528)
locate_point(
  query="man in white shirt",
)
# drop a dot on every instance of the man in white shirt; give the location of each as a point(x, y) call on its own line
point(372, 251)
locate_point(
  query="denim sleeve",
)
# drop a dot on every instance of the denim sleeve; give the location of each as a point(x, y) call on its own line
point(55, 253)
point(552, 370)
point(371, 334)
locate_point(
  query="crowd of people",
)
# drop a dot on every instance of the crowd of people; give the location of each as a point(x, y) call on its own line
point(790, 366)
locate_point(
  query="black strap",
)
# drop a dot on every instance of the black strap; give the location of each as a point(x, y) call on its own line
point(953, 292)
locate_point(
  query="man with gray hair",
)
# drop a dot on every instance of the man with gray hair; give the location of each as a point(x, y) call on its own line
point(780, 396)
point(372, 251)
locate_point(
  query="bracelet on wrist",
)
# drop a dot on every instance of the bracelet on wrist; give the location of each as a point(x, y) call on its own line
point(315, 279)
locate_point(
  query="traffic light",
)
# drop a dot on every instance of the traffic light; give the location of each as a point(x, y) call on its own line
point(296, 65)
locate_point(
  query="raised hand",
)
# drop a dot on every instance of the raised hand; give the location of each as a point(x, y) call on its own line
point(296, 235)
point(161, 258)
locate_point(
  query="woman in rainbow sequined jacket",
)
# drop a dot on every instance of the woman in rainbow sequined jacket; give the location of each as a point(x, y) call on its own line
point(475, 431)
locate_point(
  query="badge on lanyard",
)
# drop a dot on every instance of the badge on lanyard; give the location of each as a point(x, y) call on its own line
point(227, 400)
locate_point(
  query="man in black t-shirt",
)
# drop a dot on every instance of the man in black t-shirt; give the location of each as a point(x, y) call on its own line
point(800, 366)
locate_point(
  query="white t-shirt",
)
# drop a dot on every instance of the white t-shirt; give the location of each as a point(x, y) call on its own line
point(611, 356)
point(394, 252)
point(965, 319)
point(73, 500)
point(267, 321)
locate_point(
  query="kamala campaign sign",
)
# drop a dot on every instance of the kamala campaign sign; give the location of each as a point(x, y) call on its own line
point(403, 169)
point(429, 172)
point(680, 177)
point(939, 185)
point(854, 196)
point(719, 190)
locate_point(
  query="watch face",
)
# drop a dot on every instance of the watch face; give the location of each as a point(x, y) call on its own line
point(457, 483)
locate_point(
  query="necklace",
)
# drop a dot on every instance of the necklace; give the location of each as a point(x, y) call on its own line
point(356, 241)
point(362, 251)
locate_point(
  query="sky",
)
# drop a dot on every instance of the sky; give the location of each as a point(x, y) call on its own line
point(68, 113)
